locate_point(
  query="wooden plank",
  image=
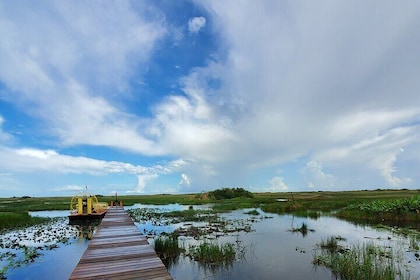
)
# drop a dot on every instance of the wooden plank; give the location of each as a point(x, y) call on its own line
point(118, 250)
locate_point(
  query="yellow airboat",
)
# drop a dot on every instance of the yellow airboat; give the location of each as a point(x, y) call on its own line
point(85, 207)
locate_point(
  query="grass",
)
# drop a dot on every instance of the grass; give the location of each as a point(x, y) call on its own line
point(302, 229)
point(314, 201)
point(309, 204)
point(331, 243)
point(213, 254)
point(253, 212)
point(397, 211)
point(365, 262)
point(167, 248)
point(12, 220)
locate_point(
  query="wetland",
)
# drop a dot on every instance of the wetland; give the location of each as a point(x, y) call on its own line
point(264, 236)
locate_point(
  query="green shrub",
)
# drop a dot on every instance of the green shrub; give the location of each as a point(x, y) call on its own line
point(228, 193)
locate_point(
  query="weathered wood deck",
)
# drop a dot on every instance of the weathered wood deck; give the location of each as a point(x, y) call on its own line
point(119, 251)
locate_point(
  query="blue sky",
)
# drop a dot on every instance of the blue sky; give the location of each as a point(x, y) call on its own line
point(145, 97)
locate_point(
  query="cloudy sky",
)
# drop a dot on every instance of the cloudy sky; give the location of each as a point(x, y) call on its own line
point(168, 96)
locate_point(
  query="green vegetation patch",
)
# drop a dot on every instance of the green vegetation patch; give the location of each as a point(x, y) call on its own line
point(229, 193)
point(303, 229)
point(364, 262)
point(404, 209)
point(167, 248)
point(213, 254)
point(12, 220)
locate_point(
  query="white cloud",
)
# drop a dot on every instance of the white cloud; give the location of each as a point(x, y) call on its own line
point(142, 181)
point(39, 154)
point(277, 184)
point(324, 82)
point(185, 181)
point(71, 78)
point(333, 83)
point(195, 24)
point(72, 188)
point(316, 177)
point(29, 160)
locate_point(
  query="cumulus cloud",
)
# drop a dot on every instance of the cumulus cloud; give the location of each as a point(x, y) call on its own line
point(308, 90)
point(277, 184)
point(185, 181)
point(36, 160)
point(71, 78)
point(142, 181)
point(316, 177)
point(333, 83)
point(195, 24)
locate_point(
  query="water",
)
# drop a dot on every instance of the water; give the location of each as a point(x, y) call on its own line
point(270, 250)
point(273, 251)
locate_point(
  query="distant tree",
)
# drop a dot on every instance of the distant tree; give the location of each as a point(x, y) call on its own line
point(228, 193)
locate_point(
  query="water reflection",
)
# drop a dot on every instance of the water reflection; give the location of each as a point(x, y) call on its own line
point(86, 232)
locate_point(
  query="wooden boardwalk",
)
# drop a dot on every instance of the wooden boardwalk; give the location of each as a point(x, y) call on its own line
point(119, 251)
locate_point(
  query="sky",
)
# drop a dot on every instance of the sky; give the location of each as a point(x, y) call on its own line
point(145, 97)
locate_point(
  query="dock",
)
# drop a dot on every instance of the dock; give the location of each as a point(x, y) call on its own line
point(119, 251)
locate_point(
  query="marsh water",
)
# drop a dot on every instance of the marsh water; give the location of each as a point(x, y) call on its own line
point(267, 247)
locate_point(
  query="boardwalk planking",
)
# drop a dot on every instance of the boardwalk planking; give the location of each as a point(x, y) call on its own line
point(119, 251)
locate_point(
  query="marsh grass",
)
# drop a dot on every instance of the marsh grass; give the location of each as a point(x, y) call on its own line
point(168, 249)
point(13, 220)
point(331, 244)
point(253, 212)
point(303, 229)
point(392, 210)
point(364, 262)
point(213, 254)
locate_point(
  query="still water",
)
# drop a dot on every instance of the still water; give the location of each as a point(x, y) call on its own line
point(269, 249)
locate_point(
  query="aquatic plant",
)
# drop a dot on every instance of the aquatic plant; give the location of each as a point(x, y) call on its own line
point(253, 212)
point(23, 246)
point(364, 262)
point(331, 243)
point(13, 220)
point(404, 209)
point(302, 229)
point(167, 248)
point(213, 254)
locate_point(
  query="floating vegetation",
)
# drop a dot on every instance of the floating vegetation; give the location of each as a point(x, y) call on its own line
point(156, 217)
point(253, 212)
point(23, 246)
point(206, 222)
point(364, 262)
point(303, 229)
